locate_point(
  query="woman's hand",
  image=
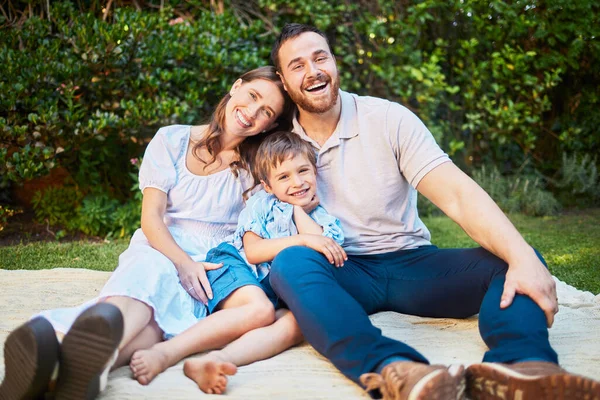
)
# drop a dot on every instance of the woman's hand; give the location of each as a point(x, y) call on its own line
point(327, 246)
point(192, 276)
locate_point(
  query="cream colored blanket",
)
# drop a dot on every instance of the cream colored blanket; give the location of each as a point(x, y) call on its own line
point(301, 373)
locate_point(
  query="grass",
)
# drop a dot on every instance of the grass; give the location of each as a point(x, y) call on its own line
point(570, 243)
point(81, 254)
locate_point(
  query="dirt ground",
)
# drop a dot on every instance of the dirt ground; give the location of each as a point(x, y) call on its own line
point(22, 228)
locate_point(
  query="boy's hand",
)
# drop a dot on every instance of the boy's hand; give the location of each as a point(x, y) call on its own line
point(328, 247)
point(192, 276)
point(314, 202)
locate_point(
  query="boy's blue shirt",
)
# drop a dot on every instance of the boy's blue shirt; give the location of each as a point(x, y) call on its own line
point(270, 218)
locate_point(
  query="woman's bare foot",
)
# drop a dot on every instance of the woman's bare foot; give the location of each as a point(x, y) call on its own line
point(210, 372)
point(146, 364)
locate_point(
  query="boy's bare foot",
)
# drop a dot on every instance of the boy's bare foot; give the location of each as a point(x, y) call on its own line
point(146, 364)
point(209, 372)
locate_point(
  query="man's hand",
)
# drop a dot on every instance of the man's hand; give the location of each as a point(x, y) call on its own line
point(192, 276)
point(531, 278)
point(327, 246)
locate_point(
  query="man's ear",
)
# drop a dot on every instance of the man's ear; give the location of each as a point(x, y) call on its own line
point(236, 85)
point(283, 81)
point(266, 186)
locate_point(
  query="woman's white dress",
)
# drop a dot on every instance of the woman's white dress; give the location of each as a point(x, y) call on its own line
point(201, 212)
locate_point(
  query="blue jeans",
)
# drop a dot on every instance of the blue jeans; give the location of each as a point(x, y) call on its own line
point(332, 304)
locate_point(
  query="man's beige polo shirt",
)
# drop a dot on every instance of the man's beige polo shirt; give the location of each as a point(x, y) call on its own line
point(367, 172)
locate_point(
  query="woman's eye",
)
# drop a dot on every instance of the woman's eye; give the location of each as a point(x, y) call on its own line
point(253, 96)
point(268, 113)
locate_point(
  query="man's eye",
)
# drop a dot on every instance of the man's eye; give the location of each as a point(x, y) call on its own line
point(296, 67)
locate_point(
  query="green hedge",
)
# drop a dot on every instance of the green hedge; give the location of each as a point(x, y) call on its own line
point(510, 84)
point(88, 94)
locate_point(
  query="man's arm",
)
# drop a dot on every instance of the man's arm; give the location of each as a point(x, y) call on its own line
point(467, 204)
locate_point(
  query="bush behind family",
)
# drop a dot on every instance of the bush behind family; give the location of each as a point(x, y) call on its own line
point(512, 100)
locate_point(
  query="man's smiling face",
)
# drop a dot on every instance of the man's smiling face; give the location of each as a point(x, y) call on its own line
point(309, 72)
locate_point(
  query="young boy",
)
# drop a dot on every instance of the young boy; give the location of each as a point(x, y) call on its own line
point(286, 213)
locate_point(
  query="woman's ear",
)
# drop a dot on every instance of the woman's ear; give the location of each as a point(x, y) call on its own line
point(236, 85)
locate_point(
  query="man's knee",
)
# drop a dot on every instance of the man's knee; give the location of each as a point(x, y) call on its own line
point(291, 260)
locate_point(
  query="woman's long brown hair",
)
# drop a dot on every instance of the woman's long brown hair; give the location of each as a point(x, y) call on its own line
point(247, 149)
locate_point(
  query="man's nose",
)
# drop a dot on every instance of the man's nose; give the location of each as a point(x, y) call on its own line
point(312, 69)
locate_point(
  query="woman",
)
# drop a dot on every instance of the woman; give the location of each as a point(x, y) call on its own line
point(193, 179)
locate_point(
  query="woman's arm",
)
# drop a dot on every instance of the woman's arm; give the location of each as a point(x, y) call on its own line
point(154, 204)
point(192, 274)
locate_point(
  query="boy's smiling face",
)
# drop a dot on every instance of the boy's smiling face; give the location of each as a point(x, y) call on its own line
point(294, 181)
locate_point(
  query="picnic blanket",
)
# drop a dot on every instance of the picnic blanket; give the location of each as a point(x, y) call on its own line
point(302, 373)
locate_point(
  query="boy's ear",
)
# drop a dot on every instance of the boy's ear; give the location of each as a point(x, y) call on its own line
point(266, 186)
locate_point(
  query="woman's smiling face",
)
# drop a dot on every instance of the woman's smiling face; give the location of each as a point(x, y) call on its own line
point(253, 107)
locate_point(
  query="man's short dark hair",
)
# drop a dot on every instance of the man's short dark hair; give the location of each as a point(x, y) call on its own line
point(291, 31)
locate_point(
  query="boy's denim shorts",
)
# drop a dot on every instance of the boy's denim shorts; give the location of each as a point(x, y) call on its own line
point(234, 274)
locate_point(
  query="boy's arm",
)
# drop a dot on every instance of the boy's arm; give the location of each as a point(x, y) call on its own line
point(259, 250)
point(304, 223)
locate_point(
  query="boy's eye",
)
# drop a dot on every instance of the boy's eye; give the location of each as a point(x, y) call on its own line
point(282, 177)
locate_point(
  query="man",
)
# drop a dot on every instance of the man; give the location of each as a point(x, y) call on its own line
point(372, 155)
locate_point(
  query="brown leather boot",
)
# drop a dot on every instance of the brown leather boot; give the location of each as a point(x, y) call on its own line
point(532, 380)
point(404, 380)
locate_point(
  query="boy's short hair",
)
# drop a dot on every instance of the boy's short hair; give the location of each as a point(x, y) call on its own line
point(277, 148)
point(290, 31)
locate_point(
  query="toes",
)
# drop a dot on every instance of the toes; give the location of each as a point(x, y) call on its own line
point(219, 388)
point(229, 369)
point(137, 362)
point(143, 380)
point(142, 371)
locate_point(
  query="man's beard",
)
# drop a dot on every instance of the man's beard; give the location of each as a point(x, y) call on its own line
point(320, 107)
